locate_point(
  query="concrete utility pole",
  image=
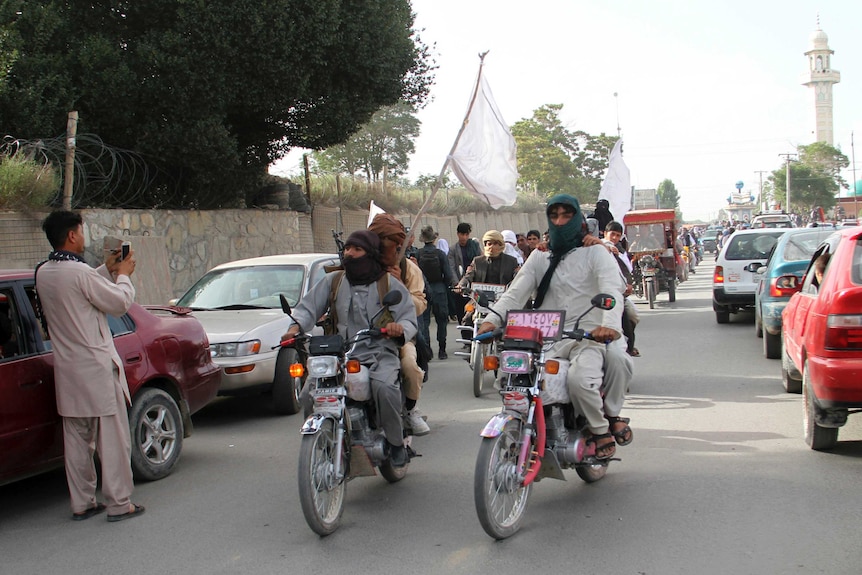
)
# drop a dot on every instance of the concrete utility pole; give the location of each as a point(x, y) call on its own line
point(760, 194)
point(71, 131)
point(787, 160)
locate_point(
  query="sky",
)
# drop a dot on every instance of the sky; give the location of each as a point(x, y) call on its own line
point(707, 93)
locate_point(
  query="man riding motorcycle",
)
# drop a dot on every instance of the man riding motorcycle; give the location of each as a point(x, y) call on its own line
point(566, 278)
point(357, 301)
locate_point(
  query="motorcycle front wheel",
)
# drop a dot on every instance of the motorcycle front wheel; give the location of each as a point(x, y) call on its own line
point(477, 358)
point(321, 493)
point(501, 498)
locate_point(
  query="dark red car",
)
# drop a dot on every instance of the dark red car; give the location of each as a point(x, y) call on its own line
point(167, 360)
point(822, 331)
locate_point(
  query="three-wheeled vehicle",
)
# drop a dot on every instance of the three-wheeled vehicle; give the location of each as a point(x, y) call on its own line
point(651, 236)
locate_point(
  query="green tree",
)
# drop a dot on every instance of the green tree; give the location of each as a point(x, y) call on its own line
point(386, 140)
point(210, 93)
point(815, 179)
point(668, 196)
point(553, 159)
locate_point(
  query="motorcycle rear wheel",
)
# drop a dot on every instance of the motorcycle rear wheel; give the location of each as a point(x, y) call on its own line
point(501, 498)
point(320, 492)
point(591, 473)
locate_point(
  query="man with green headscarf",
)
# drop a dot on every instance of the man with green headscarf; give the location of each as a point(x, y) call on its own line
point(567, 277)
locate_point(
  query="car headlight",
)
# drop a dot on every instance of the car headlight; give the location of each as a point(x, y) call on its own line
point(235, 348)
point(322, 366)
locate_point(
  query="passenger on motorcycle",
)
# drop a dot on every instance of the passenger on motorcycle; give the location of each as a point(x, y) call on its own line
point(357, 301)
point(392, 237)
point(566, 278)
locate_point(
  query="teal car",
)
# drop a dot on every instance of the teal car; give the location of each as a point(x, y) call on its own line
point(779, 279)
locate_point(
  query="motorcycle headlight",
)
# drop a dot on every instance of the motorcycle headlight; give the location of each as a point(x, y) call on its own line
point(322, 366)
point(516, 361)
point(235, 348)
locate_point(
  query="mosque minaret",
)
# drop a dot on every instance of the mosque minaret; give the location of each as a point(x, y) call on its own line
point(820, 78)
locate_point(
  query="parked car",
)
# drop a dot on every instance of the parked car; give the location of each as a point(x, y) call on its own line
point(735, 278)
point(709, 240)
point(238, 304)
point(779, 280)
point(823, 339)
point(167, 361)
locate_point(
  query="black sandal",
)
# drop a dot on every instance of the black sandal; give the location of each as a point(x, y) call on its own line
point(625, 435)
point(606, 451)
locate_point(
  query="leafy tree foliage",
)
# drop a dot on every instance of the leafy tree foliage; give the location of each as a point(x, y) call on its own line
point(553, 159)
point(668, 196)
point(387, 140)
point(210, 93)
point(815, 179)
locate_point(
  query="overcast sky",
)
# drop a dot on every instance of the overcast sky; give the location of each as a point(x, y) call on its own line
point(708, 93)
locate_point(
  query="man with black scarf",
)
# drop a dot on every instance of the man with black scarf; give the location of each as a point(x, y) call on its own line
point(356, 301)
point(566, 278)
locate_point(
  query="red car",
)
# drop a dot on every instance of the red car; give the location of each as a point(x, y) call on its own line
point(822, 331)
point(167, 361)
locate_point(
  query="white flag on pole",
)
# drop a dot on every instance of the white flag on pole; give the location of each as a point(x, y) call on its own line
point(484, 159)
point(373, 210)
point(617, 186)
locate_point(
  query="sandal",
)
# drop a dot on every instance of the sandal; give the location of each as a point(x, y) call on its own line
point(623, 436)
point(606, 450)
point(634, 352)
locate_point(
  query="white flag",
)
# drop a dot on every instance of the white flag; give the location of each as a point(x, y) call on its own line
point(373, 210)
point(617, 186)
point(484, 159)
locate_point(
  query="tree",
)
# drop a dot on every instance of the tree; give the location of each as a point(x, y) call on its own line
point(668, 196)
point(387, 140)
point(814, 180)
point(210, 93)
point(553, 159)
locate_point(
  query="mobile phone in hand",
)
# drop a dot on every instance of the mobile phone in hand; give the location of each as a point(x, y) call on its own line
point(124, 253)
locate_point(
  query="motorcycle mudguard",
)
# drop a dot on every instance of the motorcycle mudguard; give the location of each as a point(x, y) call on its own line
point(495, 426)
point(313, 423)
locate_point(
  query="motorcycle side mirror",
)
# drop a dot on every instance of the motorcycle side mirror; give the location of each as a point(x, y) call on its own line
point(285, 307)
point(392, 298)
point(603, 301)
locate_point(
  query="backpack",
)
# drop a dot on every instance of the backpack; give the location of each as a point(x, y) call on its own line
point(429, 263)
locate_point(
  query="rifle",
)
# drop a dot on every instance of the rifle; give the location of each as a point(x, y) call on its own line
point(339, 245)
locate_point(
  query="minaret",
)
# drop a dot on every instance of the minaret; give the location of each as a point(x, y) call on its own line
point(820, 77)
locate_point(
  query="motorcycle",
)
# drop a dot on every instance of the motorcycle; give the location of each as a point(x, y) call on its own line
point(340, 437)
point(538, 433)
point(479, 350)
point(649, 271)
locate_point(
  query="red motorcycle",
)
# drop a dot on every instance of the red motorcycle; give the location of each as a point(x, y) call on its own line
point(538, 433)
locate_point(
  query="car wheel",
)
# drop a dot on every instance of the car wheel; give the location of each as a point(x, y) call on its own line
point(817, 437)
point(285, 388)
point(722, 316)
point(157, 434)
point(771, 345)
point(791, 384)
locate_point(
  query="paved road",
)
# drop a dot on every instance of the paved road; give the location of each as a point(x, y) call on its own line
point(718, 480)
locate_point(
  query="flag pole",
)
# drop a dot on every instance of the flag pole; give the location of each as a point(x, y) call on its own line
point(439, 181)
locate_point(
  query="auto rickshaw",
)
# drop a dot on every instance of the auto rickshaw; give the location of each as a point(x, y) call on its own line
point(651, 236)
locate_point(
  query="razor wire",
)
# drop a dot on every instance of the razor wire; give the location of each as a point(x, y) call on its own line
point(105, 176)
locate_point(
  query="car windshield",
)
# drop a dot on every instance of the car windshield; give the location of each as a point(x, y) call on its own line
point(246, 288)
point(709, 235)
point(750, 246)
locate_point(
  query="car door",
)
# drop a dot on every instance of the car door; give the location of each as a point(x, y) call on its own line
point(30, 428)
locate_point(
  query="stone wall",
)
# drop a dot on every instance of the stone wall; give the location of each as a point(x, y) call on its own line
point(174, 247)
